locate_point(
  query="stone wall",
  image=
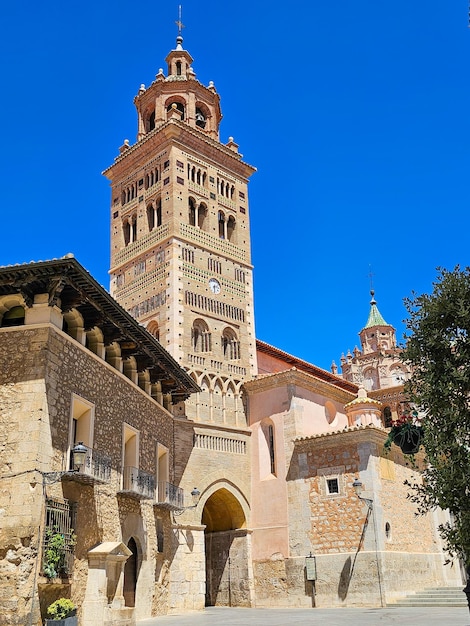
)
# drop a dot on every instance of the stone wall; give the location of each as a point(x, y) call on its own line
point(40, 369)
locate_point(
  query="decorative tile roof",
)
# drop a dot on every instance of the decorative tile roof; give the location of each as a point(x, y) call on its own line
point(375, 317)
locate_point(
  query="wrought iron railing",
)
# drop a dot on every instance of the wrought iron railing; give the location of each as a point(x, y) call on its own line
point(170, 495)
point(138, 482)
point(97, 465)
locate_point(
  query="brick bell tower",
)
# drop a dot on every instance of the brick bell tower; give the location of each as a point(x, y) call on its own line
point(180, 237)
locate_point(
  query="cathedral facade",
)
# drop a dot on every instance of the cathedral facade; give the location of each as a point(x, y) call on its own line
point(219, 470)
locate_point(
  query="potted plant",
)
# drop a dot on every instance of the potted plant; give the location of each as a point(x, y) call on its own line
point(406, 433)
point(62, 612)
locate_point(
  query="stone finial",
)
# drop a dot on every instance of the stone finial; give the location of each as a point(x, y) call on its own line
point(125, 146)
point(232, 145)
point(141, 89)
point(334, 368)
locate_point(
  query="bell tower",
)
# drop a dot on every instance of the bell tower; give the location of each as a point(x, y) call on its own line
point(378, 365)
point(180, 237)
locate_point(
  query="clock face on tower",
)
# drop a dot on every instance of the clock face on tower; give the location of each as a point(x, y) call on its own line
point(214, 285)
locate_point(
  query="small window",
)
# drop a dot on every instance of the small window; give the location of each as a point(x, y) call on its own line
point(332, 486)
point(388, 532)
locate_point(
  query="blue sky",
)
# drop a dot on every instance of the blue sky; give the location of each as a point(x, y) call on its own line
point(355, 114)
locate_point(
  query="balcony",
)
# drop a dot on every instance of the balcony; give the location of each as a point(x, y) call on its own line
point(137, 483)
point(169, 496)
point(95, 469)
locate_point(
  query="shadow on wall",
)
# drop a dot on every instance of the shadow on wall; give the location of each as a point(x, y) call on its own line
point(345, 579)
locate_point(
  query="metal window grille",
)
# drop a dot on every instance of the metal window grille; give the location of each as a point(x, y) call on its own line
point(60, 519)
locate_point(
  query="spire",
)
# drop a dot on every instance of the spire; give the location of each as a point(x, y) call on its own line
point(179, 23)
point(375, 318)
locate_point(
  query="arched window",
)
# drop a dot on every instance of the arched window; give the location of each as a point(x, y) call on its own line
point(202, 214)
point(230, 228)
point(387, 417)
point(151, 124)
point(178, 68)
point(371, 380)
point(126, 230)
point(200, 118)
point(153, 329)
point(179, 106)
point(192, 212)
point(230, 345)
point(221, 225)
point(13, 317)
point(201, 337)
point(151, 217)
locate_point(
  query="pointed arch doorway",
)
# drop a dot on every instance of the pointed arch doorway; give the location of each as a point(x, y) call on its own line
point(228, 551)
point(130, 574)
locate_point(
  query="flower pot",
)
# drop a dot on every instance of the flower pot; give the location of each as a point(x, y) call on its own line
point(67, 621)
point(409, 439)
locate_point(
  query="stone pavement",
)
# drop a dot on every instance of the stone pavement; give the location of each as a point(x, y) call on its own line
point(409, 616)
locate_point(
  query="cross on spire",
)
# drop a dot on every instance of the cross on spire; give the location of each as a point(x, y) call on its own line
point(371, 279)
point(179, 23)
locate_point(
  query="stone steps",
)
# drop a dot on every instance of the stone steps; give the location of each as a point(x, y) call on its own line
point(436, 596)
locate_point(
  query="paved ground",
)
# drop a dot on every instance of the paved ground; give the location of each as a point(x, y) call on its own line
point(215, 616)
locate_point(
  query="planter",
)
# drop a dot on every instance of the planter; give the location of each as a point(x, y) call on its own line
point(409, 439)
point(67, 621)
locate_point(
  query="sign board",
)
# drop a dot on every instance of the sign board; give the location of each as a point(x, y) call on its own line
point(311, 567)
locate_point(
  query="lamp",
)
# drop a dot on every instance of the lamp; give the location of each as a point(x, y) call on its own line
point(358, 487)
point(79, 452)
point(195, 494)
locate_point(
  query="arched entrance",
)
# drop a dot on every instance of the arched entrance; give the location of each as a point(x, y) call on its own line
point(130, 574)
point(228, 578)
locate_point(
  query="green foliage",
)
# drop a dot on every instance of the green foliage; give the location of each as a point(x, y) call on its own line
point(438, 350)
point(54, 552)
point(60, 609)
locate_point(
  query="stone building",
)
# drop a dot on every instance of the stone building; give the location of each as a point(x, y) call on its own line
point(76, 368)
point(314, 435)
point(272, 443)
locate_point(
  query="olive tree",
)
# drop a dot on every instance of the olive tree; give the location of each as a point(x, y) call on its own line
point(438, 351)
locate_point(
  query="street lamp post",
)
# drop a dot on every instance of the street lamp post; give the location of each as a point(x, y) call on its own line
point(358, 486)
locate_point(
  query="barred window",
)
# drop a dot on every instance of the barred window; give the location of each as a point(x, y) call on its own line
point(59, 538)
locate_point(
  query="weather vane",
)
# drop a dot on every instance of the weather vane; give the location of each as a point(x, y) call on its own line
point(179, 23)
